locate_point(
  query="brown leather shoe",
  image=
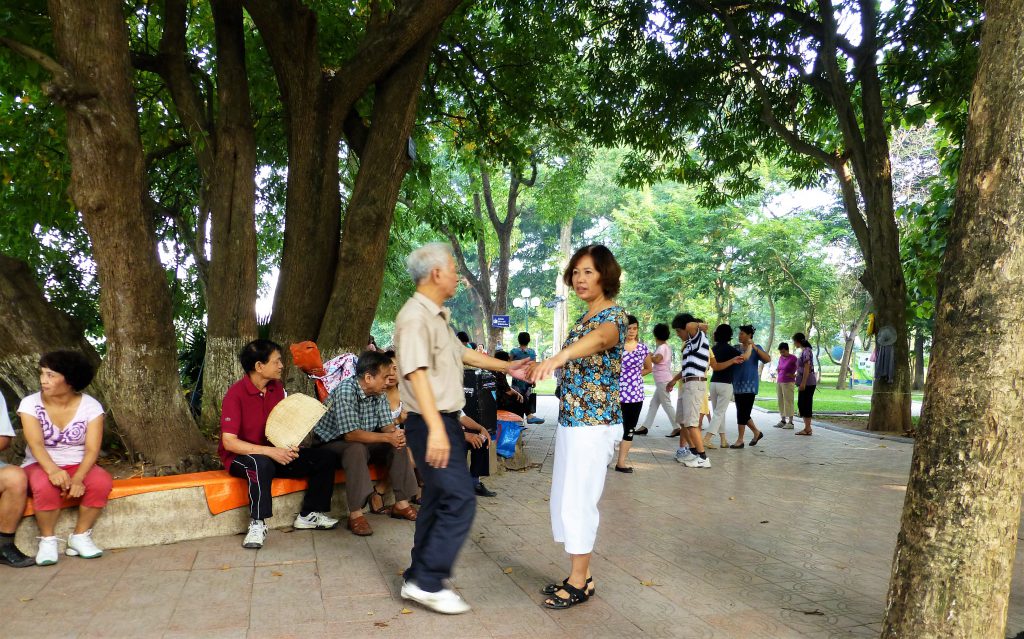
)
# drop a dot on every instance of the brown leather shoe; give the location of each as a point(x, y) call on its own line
point(359, 526)
point(408, 513)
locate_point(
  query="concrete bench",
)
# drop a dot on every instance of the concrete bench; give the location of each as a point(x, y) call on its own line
point(159, 510)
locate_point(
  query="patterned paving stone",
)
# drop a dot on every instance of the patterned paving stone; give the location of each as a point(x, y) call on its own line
point(792, 539)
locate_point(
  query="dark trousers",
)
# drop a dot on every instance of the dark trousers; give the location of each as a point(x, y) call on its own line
point(630, 416)
point(318, 464)
point(479, 462)
point(805, 401)
point(448, 505)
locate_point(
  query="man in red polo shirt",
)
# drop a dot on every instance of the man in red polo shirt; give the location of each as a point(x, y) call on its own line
point(248, 454)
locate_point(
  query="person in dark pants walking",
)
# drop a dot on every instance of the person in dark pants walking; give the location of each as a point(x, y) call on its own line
point(430, 362)
point(248, 454)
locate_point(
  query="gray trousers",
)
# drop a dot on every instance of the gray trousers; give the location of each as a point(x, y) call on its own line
point(662, 399)
point(355, 459)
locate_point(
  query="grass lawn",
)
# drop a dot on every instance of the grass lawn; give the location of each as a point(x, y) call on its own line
point(826, 398)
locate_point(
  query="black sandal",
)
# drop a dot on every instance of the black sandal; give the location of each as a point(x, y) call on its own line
point(576, 596)
point(551, 589)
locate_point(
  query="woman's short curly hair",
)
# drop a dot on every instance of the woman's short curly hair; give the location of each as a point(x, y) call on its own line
point(604, 263)
point(76, 368)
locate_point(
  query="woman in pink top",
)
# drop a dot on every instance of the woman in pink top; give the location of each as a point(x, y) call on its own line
point(784, 385)
point(662, 360)
point(64, 430)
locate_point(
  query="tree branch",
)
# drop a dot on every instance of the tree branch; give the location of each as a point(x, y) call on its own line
point(64, 89)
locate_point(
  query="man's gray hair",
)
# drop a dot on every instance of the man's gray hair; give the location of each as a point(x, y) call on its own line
point(426, 258)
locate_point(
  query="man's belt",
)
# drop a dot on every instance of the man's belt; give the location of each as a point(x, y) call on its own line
point(694, 378)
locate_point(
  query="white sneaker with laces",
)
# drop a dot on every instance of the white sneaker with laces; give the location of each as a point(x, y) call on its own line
point(81, 545)
point(257, 534)
point(47, 553)
point(315, 520)
point(697, 462)
point(788, 426)
point(445, 601)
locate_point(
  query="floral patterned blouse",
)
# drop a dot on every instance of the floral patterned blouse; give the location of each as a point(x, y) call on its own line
point(590, 385)
point(631, 383)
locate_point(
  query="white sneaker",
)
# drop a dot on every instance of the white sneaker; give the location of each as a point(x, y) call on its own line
point(81, 545)
point(318, 521)
point(257, 534)
point(47, 553)
point(781, 424)
point(697, 462)
point(684, 455)
point(788, 426)
point(445, 601)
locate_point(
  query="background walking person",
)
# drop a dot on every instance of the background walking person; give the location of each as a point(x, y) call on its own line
point(589, 416)
point(636, 362)
point(661, 362)
point(745, 384)
point(784, 383)
point(724, 358)
point(806, 382)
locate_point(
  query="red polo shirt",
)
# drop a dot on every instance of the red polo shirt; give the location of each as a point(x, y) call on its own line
point(244, 413)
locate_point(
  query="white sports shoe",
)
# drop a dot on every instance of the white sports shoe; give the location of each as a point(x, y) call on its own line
point(47, 553)
point(81, 545)
point(256, 535)
point(445, 601)
point(318, 521)
point(697, 462)
point(684, 455)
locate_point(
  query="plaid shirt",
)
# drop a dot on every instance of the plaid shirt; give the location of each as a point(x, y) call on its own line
point(349, 409)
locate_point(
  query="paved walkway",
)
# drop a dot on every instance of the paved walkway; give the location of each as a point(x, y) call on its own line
point(792, 538)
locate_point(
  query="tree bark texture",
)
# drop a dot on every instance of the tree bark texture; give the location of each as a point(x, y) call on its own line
point(108, 187)
point(29, 327)
point(364, 240)
point(231, 302)
point(956, 547)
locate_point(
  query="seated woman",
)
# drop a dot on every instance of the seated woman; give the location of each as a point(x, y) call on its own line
point(64, 430)
point(507, 398)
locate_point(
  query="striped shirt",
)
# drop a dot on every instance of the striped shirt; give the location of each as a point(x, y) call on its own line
point(695, 355)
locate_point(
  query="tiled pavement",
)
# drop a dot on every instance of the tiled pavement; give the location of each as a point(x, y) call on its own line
point(792, 538)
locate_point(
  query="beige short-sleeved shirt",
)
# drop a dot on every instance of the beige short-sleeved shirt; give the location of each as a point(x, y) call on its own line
point(424, 339)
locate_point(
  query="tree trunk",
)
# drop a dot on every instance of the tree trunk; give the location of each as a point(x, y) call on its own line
point(231, 303)
point(364, 240)
point(561, 319)
point(918, 360)
point(312, 209)
point(955, 551)
point(849, 343)
point(108, 187)
point(29, 327)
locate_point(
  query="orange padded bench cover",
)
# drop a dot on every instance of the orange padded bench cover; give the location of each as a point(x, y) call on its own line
point(223, 492)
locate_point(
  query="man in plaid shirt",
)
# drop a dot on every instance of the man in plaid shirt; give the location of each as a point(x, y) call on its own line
point(358, 427)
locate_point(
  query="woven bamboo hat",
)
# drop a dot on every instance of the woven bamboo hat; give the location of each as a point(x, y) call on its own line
point(292, 419)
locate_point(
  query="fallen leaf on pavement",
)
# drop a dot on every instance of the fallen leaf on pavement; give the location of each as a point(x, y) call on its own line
point(276, 574)
point(406, 611)
point(507, 571)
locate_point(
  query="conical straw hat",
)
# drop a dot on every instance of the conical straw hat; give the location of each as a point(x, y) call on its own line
point(292, 419)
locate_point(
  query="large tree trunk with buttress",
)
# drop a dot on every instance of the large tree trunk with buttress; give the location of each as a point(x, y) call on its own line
point(108, 187)
point(231, 300)
point(364, 241)
point(955, 551)
point(29, 327)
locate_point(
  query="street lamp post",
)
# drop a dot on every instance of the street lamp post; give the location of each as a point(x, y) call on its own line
point(525, 302)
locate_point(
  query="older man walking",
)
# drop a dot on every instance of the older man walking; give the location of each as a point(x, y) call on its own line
point(430, 361)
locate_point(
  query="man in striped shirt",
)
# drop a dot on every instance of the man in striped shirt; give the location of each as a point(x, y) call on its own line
point(696, 354)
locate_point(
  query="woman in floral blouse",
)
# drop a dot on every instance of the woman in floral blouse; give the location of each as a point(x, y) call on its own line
point(589, 416)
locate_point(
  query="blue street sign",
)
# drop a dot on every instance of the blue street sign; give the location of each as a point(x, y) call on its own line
point(500, 321)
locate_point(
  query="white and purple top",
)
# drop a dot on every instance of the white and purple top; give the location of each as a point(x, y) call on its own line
point(631, 384)
point(66, 447)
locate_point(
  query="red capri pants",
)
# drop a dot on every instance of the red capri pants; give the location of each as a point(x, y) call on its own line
point(46, 496)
